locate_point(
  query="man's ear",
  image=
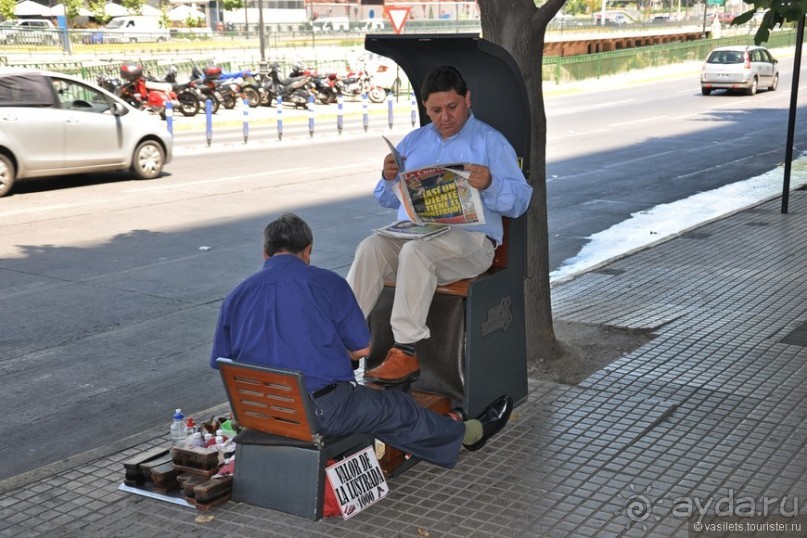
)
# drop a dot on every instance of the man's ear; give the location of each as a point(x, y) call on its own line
point(468, 98)
point(265, 255)
point(307, 253)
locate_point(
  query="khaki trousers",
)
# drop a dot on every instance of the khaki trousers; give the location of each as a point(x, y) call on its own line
point(416, 266)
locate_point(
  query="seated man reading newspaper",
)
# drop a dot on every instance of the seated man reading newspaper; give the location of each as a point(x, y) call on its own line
point(418, 265)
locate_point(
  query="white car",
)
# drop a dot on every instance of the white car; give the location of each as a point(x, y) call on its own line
point(29, 32)
point(739, 68)
point(53, 124)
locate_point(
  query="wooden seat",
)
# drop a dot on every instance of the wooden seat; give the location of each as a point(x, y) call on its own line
point(280, 457)
point(460, 287)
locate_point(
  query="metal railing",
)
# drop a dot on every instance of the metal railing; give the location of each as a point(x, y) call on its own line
point(570, 68)
point(555, 69)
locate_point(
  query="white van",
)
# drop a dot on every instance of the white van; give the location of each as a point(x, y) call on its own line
point(134, 29)
point(330, 24)
point(371, 25)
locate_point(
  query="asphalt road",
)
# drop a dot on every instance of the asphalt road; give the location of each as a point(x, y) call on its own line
point(109, 287)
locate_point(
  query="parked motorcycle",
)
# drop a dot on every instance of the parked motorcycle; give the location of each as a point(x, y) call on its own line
point(245, 85)
point(359, 82)
point(144, 94)
point(205, 81)
point(188, 95)
point(290, 90)
point(323, 87)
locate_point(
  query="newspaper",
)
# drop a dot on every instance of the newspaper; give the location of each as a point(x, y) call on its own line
point(438, 194)
point(405, 229)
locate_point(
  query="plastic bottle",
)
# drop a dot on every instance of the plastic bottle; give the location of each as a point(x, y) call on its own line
point(209, 440)
point(178, 429)
point(190, 427)
point(197, 440)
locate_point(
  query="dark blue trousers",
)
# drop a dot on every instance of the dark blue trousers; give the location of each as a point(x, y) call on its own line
point(394, 418)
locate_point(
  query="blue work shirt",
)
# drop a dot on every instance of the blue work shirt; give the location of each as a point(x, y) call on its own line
point(295, 316)
point(477, 142)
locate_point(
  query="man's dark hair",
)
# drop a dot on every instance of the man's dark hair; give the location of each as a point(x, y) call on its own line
point(289, 233)
point(442, 79)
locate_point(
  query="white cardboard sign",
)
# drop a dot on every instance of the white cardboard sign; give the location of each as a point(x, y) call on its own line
point(357, 482)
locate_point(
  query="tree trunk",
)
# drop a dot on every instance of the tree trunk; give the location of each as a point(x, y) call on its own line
point(519, 27)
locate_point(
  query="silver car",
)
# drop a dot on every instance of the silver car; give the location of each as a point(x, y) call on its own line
point(53, 124)
point(739, 68)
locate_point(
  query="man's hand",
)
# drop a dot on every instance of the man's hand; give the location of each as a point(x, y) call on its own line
point(359, 353)
point(390, 167)
point(480, 177)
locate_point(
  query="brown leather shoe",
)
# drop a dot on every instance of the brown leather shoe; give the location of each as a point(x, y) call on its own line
point(396, 368)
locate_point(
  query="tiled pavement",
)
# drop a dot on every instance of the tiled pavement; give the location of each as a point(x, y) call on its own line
point(711, 413)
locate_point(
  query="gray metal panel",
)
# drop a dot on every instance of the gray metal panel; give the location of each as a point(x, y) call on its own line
point(288, 478)
point(285, 478)
point(495, 336)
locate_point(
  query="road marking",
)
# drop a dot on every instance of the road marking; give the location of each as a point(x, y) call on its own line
point(638, 121)
point(577, 109)
point(218, 180)
point(574, 134)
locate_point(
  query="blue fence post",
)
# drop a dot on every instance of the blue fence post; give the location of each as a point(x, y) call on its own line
point(365, 118)
point(245, 105)
point(340, 120)
point(389, 110)
point(209, 117)
point(311, 116)
point(413, 107)
point(169, 116)
point(279, 118)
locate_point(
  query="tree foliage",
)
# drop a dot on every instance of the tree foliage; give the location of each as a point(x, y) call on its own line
point(135, 7)
point(778, 12)
point(230, 5)
point(519, 26)
point(96, 7)
point(7, 8)
point(71, 8)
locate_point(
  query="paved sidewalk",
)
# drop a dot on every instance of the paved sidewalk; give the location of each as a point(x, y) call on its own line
point(711, 413)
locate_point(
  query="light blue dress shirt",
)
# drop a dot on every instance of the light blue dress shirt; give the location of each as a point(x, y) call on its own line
point(477, 142)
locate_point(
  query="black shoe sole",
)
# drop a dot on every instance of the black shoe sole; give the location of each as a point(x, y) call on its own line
point(410, 377)
point(481, 443)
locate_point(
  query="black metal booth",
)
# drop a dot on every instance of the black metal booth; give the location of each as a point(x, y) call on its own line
point(477, 350)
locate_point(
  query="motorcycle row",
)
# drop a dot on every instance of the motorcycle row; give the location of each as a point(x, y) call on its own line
point(226, 89)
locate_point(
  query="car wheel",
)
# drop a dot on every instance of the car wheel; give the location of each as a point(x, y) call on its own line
point(775, 83)
point(7, 174)
point(752, 90)
point(148, 160)
point(706, 91)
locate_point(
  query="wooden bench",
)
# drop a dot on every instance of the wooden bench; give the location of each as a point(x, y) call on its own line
point(280, 457)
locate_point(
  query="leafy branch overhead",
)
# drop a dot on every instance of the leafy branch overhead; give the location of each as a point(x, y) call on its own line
point(778, 12)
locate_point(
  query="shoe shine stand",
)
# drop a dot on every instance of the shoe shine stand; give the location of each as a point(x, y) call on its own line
point(477, 349)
